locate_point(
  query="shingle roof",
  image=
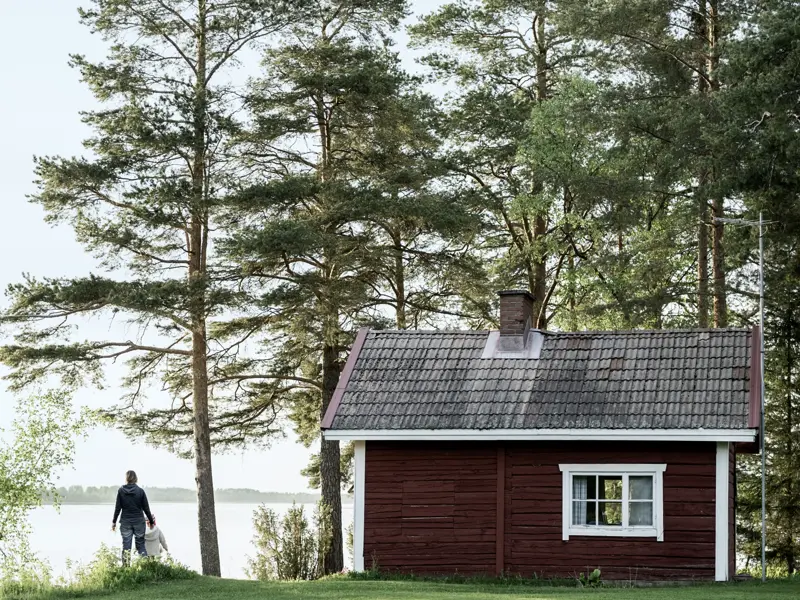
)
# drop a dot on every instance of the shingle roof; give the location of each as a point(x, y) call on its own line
point(667, 379)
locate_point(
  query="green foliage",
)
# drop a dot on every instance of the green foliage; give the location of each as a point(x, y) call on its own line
point(290, 548)
point(42, 442)
point(590, 580)
point(106, 573)
point(102, 575)
point(764, 152)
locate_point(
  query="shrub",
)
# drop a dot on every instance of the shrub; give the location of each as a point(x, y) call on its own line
point(290, 548)
point(103, 573)
point(591, 580)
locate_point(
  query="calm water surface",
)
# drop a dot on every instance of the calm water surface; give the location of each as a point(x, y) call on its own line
point(77, 531)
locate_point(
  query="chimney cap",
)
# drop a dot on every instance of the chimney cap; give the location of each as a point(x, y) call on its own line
point(525, 293)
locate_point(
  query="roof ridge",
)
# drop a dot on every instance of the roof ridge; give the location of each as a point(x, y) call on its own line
point(569, 333)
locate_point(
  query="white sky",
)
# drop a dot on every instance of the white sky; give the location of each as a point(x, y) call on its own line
point(40, 100)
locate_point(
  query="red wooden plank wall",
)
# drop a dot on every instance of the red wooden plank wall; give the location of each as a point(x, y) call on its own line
point(533, 513)
point(432, 507)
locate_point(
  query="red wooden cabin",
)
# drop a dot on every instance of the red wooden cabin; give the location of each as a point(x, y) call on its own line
point(535, 452)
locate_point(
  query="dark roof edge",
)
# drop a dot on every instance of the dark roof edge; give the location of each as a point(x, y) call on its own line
point(525, 293)
point(344, 378)
point(754, 407)
point(565, 333)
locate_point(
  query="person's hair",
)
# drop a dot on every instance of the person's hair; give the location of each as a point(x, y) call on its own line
point(130, 477)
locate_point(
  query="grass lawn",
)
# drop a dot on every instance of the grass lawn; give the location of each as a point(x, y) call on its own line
point(226, 589)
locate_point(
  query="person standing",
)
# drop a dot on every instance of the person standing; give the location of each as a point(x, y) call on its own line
point(154, 540)
point(133, 506)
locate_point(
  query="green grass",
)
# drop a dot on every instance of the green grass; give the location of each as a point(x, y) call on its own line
point(340, 589)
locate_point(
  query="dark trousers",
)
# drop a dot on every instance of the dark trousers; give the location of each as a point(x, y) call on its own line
point(130, 531)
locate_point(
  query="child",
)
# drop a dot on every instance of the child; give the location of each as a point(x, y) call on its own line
point(154, 539)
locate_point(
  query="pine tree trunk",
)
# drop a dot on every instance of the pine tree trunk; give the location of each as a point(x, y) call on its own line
point(702, 178)
point(702, 264)
point(791, 563)
point(198, 246)
point(400, 284)
point(329, 463)
point(206, 510)
point(539, 283)
point(539, 276)
point(718, 228)
point(718, 257)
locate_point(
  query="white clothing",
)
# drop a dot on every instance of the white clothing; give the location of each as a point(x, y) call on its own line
point(154, 541)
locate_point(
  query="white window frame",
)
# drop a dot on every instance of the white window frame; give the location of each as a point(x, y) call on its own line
point(614, 470)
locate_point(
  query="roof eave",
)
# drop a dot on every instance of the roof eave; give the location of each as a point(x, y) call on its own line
point(665, 435)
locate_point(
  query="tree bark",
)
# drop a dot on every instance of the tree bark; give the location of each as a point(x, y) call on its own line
point(702, 178)
point(702, 263)
point(198, 246)
point(718, 228)
point(539, 258)
point(329, 462)
point(400, 284)
point(791, 559)
point(718, 258)
point(539, 275)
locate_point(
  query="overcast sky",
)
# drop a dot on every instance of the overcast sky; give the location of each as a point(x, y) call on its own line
point(40, 101)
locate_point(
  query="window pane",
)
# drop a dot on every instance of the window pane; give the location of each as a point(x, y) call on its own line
point(579, 512)
point(591, 513)
point(591, 491)
point(641, 513)
point(641, 488)
point(610, 513)
point(610, 488)
point(580, 487)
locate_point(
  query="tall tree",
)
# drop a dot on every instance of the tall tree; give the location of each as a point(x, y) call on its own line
point(761, 151)
point(504, 59)
point(145, 203)
point(672, 53)
point(305, 233)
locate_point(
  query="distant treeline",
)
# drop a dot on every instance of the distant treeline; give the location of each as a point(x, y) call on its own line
point(107, 494)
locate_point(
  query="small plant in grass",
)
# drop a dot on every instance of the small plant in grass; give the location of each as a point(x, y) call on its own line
point(290, 548)
point(590, 580)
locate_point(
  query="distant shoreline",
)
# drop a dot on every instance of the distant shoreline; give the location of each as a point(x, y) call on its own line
point(100, 495)
point(162, 501)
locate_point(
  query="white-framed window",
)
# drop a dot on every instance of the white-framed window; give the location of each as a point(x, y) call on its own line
point(613, 500)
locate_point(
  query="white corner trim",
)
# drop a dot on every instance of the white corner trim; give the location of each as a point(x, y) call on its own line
point(721, 508)
point(657, 470)
point(653, 435)
point(358, 504)
point(566, 509)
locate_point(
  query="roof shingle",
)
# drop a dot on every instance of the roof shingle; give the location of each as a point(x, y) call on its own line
point(665, 379)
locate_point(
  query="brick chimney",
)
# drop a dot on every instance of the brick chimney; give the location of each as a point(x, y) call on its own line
point(516, 315)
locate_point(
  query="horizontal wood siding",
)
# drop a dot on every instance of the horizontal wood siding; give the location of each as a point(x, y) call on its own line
point(431, 507)
point(534, 542)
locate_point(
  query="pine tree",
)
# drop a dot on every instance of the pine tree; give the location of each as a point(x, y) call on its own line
point(338, 153)
point(761, 146)
point(504, 58)
point(145, 204)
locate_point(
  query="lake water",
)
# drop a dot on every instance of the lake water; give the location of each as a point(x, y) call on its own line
point(77, 531)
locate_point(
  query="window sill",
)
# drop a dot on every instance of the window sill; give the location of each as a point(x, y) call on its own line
point(650, 532)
